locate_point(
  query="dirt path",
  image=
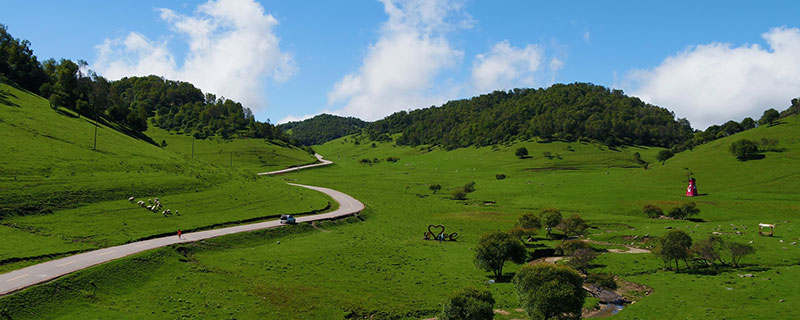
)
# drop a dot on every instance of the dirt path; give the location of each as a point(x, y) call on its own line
point(22, 278)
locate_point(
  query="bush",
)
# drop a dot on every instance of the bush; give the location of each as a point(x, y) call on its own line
point(685, 211)
point(458, 194)
point(743, 149)
point(581, 258)
point(605, 280)
point(663, 155)
point(469, 187)
point(652, 211)
point(435, 187)
point(468, 303)
point(499, 176)
point(570, 246)
point(392, 159)
point(521, 152)
point(573, 225)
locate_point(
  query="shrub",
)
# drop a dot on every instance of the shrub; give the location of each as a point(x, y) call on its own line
point(365, 161)
point(581, 258)
point(499, 176)
point(468, 303)
point(652, 211)
point(685, 211)
point(435, 187)
point(605, 280)
point(573, 225)
point(739, 250)
point(469, 187)
point(743, 149)
point(521, 152)
point(570, 246)
point(392, 159)
point(458, 194)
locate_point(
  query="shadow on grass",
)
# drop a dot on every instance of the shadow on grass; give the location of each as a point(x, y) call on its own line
point(505, 278)
point(756, 156)
point(696, 220)
point(6, 101)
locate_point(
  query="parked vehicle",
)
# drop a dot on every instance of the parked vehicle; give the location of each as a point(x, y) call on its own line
point(287, 219)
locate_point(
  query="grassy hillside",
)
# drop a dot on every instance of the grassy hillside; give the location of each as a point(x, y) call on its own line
point(59, 195)
point(382, 268)
point(252, 155)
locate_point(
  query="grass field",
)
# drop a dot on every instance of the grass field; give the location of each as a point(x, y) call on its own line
point(59, 195)
point(380, 267)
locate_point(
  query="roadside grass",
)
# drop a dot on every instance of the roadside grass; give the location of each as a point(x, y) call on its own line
point(382, 268)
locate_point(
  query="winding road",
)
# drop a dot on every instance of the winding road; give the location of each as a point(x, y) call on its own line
point(46, 271)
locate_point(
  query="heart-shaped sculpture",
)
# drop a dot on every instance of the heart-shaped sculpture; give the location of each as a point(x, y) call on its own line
point(436, 227)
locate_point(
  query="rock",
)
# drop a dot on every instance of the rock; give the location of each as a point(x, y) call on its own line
point(746, 275)
point(490, 281)
point(738, 232)
point(750, 242)
point(794, 243)
point(278, 242)
point(717, 233)
point(781, 300)
point(781, 240)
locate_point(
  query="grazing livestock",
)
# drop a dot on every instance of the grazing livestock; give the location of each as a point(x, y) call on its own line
point(131, 198)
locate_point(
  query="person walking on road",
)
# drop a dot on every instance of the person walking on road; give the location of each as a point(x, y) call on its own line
point(179, 234)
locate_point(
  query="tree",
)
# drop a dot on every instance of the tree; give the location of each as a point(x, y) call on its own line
point(769, 117)
point(743, 149)
point(469, 187)
point(495, 248)
point(739, 250)
point(549, 291)
point(468, 303)
point(685, 211)
point(551, 217)
point(435, 187)
point(521, 152)
point(652, 211)
point(570, 246)
point(573, 225)
point(747, 123)
point(663, 155)
point(674, 246)
point(526, 226)
point(709, 251)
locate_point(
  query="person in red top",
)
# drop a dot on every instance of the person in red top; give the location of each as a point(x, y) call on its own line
point(179, 234)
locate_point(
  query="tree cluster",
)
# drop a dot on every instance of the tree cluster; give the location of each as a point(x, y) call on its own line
point(129, 102)
point(683, 211)
point(677, 245)
point(565, 112)
point(323, 128)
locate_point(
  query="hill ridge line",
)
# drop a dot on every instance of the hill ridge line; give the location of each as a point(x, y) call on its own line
point(19, 279)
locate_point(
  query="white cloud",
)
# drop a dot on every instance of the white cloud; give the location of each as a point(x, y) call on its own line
point(506, 66)
point(586, 36)
point(400, 69)
point(233, 49)
point(713, 83)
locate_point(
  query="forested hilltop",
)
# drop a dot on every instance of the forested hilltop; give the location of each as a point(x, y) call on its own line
point(321, 128)
point(562, 111)
point(128, 102)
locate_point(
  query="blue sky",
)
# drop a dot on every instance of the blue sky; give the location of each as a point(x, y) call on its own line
point(709, 62)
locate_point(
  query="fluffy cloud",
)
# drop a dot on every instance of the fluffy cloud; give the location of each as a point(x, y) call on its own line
point(400, 69)
point(716, 82)
point(232, 51)
point(505, 67)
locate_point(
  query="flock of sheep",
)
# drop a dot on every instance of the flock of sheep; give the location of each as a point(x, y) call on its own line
point(153, 205)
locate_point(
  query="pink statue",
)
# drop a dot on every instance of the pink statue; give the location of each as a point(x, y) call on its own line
point(691, 190)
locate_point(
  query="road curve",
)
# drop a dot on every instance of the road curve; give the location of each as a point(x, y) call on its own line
point(323, 162)
point(19, 279)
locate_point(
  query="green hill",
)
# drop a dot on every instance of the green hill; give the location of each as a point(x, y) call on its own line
point(321, 128)
point(59, 194)
point(564, 112)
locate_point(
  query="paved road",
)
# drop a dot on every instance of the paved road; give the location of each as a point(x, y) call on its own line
point(25, 277)
point(323, 162)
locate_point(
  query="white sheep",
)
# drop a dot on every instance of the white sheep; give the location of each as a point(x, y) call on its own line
point(140, 203)
point(131, 198)
point(149, 207)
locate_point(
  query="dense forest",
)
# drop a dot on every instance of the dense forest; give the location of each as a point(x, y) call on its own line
point(563, 112)
point(128, 102)
point(322, 128)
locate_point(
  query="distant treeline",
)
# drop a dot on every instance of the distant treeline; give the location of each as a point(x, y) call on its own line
point(322, 128)
point(562, 112)
point(129, 102)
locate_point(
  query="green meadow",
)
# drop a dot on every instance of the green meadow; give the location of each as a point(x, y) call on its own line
point(60, 195)
point(378, 266)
